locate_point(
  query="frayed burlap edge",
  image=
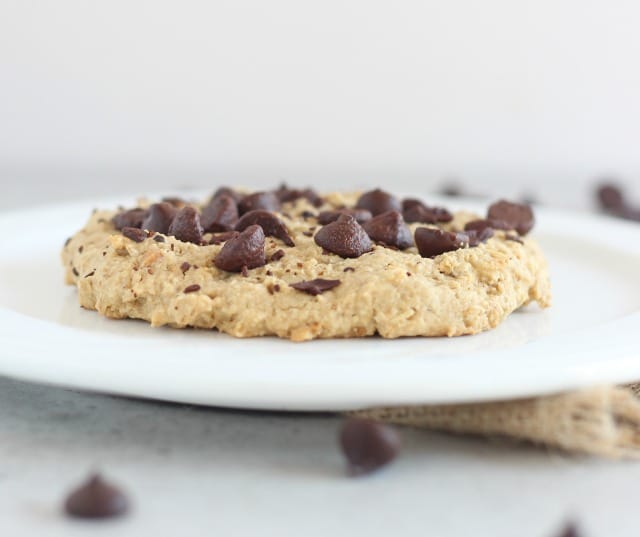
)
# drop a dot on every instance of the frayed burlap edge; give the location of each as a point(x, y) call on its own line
point(601, 421)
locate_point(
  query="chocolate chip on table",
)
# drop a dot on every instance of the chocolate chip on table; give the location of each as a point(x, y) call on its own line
point(219, 238)
point(220, 214)
point(269, 222)
point(315, 287)
point(478, 231)
point(130, 218)
point(159, 218)
point(245, 250)
point(226, 191)
point(414, 210)
point(389, 229)
point(377, 202)
point(611, 197)
point(368, 445)
point(186, 226)
point(96, 499)
point(192, 288)
point(344, 237)
point(277, 255)
point(433, 242)
point(514, 215)
point(134, 233)
point(259, 200)
point(361, 215)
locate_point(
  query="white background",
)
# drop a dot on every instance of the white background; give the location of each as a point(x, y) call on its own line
point(132, 94)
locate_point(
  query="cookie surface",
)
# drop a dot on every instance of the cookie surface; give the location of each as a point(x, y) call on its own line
point(380, 289)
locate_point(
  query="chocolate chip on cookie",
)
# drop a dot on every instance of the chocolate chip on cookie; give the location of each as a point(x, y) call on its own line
point(246, 250)
point(368, 445)
point(130, 218)
point(178, 203)
point(433, 242)
point(414, 210)
point(259, 200)
point(377, 202)
point(219, 238)
point(135, 234)
point(186, 226)
point(277, 255)
point(512, 215)
point(478, 231)
point(226, 191)
point(315, 287)
point(389, 229)
point(192, 288)
point(361, 215)
point(220, 214)
point(160, 217)
point(344, 237)
point(96, 499)
point(269, 222)
point(286, 194)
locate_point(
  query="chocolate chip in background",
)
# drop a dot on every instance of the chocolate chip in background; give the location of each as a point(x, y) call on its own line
point(220, 214)
point(377, 202)
point(259, 200)
point(610, 197)
point(478, 231)
point(570, 530)
point(244, 251)
point(227, 191)
point(451, 189)
point(628, 213)
point(368, 445)
point(135, 234)
point(315, 287)
point(433, 242)
point(286, 194)
point(176, 202)
point(219, 238)
point(130, 218)
point(269, 222)
point(186, 226)
point(344, 237)
point(413, 210)
point(514, 215)
point(159, 218)
point(361, 215)
point(96, 498)
point(389, 229)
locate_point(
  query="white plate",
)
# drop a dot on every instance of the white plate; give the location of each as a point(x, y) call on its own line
point(588, 337)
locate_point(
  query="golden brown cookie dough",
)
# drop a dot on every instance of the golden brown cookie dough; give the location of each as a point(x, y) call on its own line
point(386, 291)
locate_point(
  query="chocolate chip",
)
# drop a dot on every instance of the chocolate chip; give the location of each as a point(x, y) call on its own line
point(220, 214)
point(131, 218)
point(361, 215)
point(269, 222)
point(178, 203)
point(226, 191)
point(611, 197)
point(192, 288)
point(315, 287)
point(478, 231)
point(286, 194)
point(186, 226)
point(389, 229)
point(377, 202)
point(433, 242)
point(96, 499)
point(570, 530)
point(245, 250)
point(160, 217)
point(185, 266)
point(159, 238)
point(277, 255)
point(451, 189)
point(368, 445)
point(219, 238)
point(414, 210)
point(135, 234)
point(628, 213)
point(259, 200)
point(515, 215)
point(344, 237)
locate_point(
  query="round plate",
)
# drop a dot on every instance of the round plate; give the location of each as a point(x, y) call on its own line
point(588, 336)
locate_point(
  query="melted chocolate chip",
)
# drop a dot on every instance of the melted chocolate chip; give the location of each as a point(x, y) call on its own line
point(96, 499)
point(377, 202)
point(611, 197)
point(368, 445)
point(219, 238)
point(414, 210)
point(135, 234)
point(131, 218)
point(259, 200)
point(389, 229)
point(478, 231)
point(286, 194)
point(277, 255)
point(186, 226)
point(361, 215)
point(344, 237)
point(315, 287)
point(159, 218)
point(433, 242)
point(245, 250)
point(226, 191)
point(515, 215)
point(220, 214)
point(269, 222)
point(192, 288)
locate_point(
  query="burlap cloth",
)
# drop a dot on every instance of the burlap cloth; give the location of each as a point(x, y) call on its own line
point(600, 421)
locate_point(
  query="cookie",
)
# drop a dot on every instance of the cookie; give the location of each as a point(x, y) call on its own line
point(297, 265)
